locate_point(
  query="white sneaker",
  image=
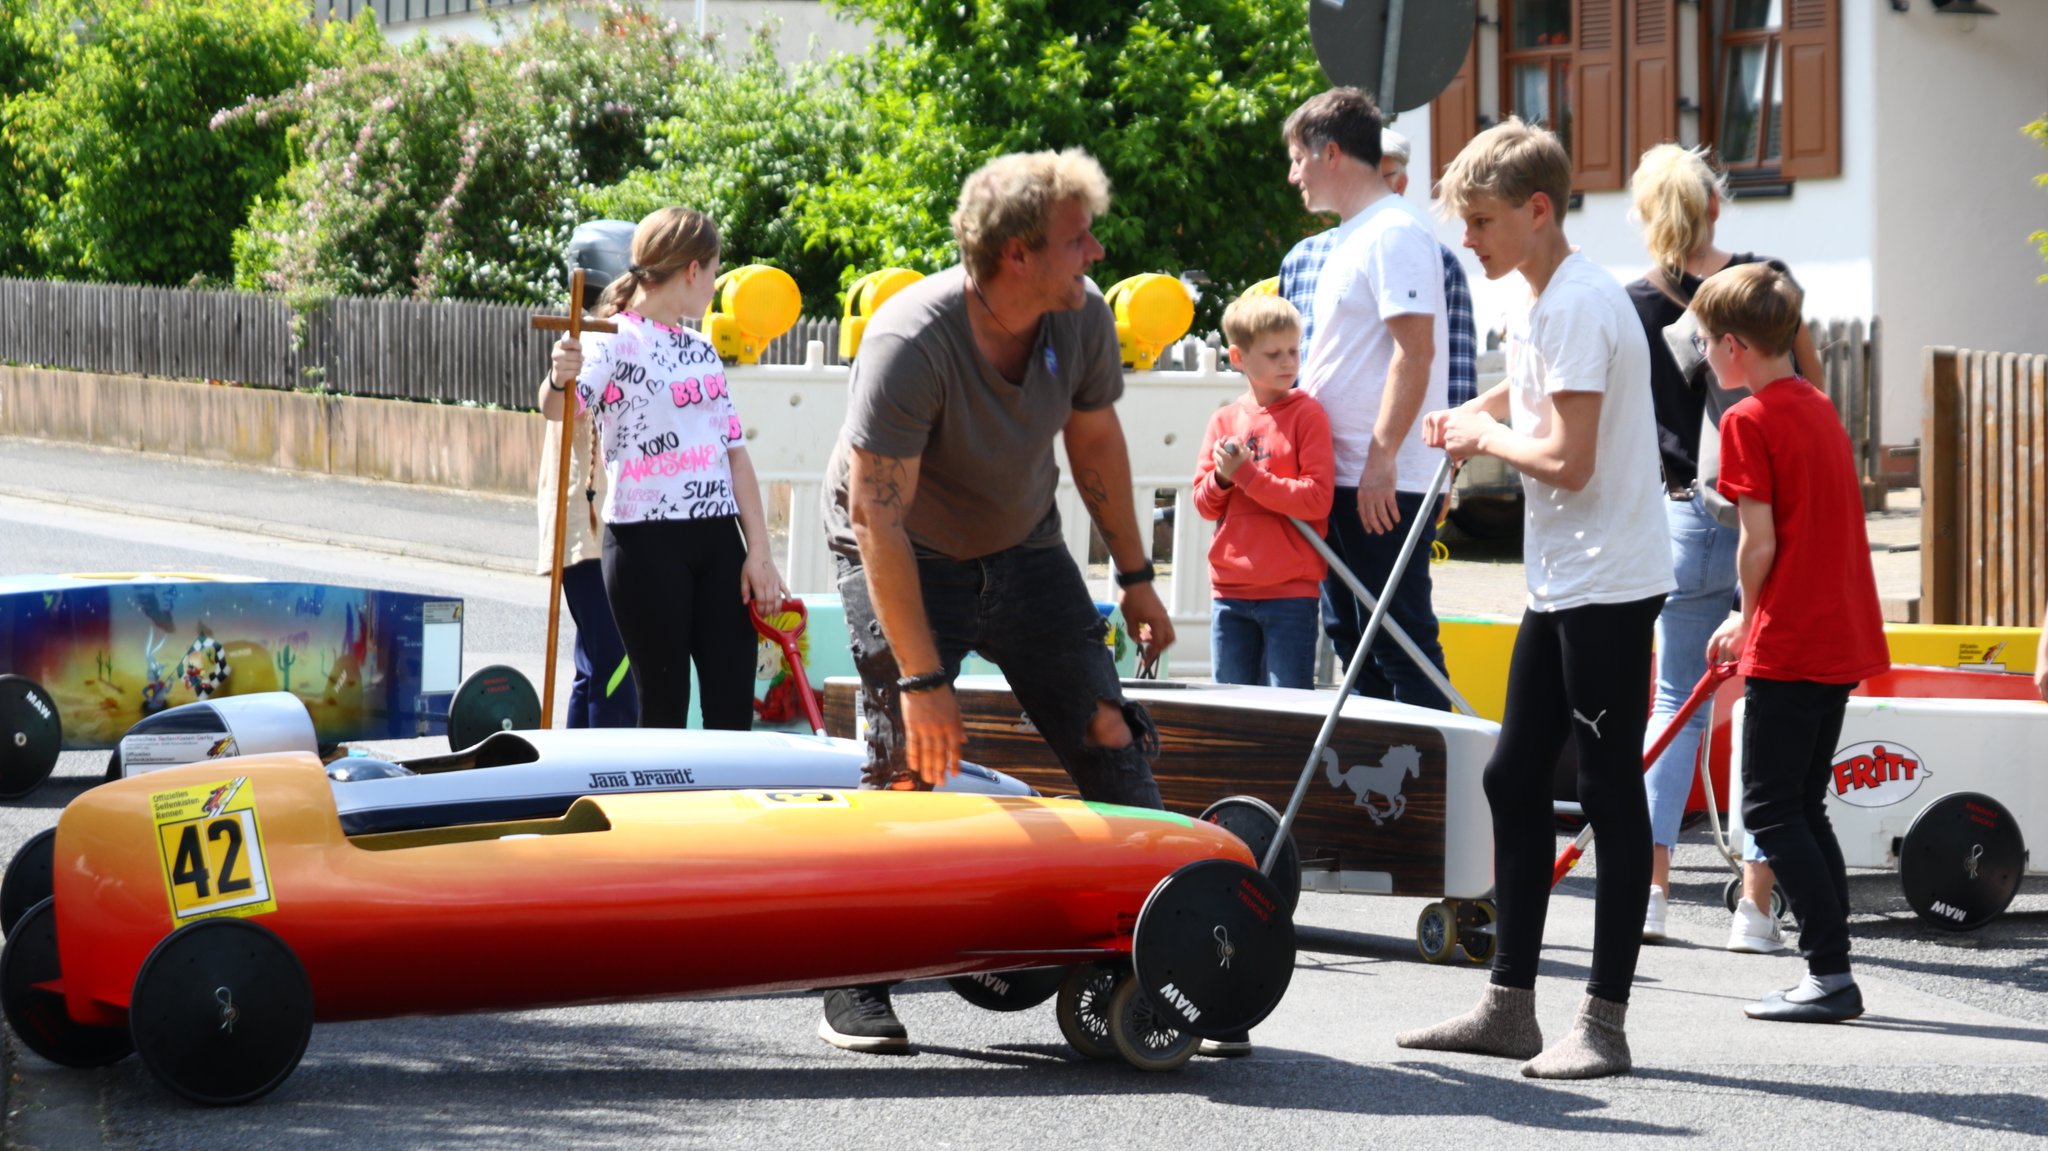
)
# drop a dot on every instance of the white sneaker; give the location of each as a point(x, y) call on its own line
point(1654, 917)
point(1754, 931)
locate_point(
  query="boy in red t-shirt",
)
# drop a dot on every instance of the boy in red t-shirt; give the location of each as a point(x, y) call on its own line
point(1810, 627)
point(1266, 456)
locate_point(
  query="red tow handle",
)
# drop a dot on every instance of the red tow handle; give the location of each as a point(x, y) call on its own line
point(786, 640)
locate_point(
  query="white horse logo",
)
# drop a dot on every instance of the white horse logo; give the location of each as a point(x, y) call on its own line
point(1385, 779)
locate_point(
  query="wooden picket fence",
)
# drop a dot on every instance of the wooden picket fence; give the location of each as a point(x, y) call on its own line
point(445, 351)
point(1849, 358)
point(1984, 488)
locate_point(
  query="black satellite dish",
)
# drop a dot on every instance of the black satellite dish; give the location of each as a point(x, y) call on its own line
point(1350, 38)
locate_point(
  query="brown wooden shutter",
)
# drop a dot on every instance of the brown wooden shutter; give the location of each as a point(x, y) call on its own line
point(1652, 77)
point(1454, 114)
point(1810, 140)
point(1597, 163)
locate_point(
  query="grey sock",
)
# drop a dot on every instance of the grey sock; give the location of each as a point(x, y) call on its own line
point(1818, 987)
point(1596, 1045)
point(1504, 1024)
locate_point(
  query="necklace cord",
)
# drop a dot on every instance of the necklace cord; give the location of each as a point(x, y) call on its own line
point(990, 308)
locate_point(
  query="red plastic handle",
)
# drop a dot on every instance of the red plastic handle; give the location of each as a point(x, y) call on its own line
point(786, 640)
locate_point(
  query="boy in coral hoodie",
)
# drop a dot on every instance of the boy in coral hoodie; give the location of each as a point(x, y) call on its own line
point(1266, 457)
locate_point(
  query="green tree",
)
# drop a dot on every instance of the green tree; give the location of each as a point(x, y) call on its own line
point(2039, 131)
point(118, 175)
point(24, 67)
point(453, 169)
point(742, 147)
point(1181, 101)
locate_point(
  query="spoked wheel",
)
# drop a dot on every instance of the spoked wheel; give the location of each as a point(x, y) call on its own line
point(1143, 1034)
point(1009, 990)
point(222, 1011)
point(30, 878)
point(1083, 1009)
point(1475, 919)
point(28, 968)
point(1436, 933)
point(31, 734)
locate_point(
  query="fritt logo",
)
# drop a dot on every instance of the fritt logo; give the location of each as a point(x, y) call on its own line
point(1877, 774)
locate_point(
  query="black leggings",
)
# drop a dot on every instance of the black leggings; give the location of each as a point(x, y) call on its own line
point(1583, 672)
point(674, 587)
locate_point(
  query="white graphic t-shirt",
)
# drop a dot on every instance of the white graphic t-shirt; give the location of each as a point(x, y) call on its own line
point(665, 420)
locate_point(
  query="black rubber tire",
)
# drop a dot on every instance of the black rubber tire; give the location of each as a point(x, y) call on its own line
point(1009, 990)
point(38, 1017)
point(31, 735)
point(29, 879)
point(1475, 932)
point(222, 1011)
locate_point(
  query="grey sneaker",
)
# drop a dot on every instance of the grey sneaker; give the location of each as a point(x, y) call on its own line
point(1233, 1046)
point(1753, 931)
point(860, 1019)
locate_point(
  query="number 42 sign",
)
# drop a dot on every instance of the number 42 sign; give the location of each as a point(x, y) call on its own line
point(212, 850)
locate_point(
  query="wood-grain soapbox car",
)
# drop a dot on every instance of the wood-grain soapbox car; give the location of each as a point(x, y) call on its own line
point(206, 916)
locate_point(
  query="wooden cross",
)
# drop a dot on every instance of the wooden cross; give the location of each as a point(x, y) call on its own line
point(575, 325)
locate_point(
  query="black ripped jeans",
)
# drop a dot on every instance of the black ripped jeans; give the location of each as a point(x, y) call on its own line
point(1028, 611)
point(1584, 674)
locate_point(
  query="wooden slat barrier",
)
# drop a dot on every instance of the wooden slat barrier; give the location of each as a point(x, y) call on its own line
point(440, 350)
point(1984, 487)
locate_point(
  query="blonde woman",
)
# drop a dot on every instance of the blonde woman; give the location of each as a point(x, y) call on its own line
point(1678, 199)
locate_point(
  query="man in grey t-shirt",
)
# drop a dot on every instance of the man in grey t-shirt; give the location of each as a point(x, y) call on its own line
point(939, 505)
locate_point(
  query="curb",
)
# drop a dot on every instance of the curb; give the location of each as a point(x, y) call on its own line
point(294, 532)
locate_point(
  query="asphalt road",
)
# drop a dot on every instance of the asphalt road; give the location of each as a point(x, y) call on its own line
point(1953, 1053)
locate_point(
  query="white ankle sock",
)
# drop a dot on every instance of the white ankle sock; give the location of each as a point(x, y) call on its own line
point(1818, 986)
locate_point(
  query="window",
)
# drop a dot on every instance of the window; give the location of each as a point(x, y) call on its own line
point(1751, 78)
point(1537, 65)
point(1605, 76)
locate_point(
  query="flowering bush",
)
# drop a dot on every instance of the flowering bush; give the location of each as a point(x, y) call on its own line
point(103, 129)
point(452, 170)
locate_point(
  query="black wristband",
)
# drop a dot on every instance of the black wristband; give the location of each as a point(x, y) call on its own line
point(558, 387)
point(1132, 579)
point(929, 681)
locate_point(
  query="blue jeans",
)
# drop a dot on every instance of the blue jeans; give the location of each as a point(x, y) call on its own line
point(1027, 611)
point(1264, 641)
point(1388, 673)
point(599, 654)
point(1703, 563)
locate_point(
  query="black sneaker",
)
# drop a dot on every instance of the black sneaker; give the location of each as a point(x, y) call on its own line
point(860, 1019)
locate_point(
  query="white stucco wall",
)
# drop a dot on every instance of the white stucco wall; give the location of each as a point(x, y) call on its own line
point(1957, 197)
point(805, 28)
point(1925, 228)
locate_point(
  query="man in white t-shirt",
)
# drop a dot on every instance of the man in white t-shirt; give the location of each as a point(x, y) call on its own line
point(1375, 360)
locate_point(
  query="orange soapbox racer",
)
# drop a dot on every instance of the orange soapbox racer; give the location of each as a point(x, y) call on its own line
point(206, 916)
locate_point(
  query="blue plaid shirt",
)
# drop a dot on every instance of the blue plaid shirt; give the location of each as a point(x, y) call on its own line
point(1304, 265)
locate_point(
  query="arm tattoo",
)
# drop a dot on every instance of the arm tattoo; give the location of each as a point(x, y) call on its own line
point(1095, 497)
point(882, 484)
